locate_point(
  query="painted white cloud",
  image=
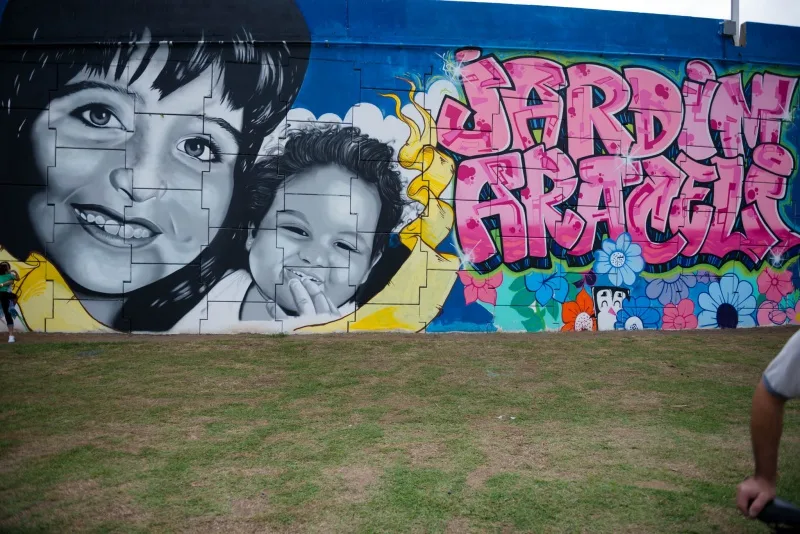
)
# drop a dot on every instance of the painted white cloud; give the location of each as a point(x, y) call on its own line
point(370, 120)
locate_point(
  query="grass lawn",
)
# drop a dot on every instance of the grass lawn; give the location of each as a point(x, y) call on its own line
point(372, 433)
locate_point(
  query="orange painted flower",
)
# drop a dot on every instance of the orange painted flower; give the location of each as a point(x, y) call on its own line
point(578, 315)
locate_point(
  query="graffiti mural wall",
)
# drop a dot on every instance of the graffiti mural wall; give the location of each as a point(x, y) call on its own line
point(286, 166)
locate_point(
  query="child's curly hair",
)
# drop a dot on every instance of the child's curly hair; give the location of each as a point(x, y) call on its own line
point(367, 158)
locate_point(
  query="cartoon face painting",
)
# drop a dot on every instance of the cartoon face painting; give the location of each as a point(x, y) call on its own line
point(608, 301)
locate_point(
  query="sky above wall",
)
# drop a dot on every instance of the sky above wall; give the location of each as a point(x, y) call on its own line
point(785, 12)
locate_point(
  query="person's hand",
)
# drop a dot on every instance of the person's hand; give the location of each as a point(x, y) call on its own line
point(310, 300)
point(753, 495)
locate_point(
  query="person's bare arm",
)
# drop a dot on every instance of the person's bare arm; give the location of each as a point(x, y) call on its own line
point(766, 426)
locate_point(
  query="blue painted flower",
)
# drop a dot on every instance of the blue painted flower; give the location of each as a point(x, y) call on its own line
point(621, 260)
point(729, 303)
point(636, 314)
point(705, 277)
point(548, 286)
point(670, 290)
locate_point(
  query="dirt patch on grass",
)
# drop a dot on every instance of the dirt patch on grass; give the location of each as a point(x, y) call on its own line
point(423, 454)
point(209, 477)
point(507, 448)
point(477, 478)
point(658, 485)
point(725, 519)
point(553, 451)
point(83, 505)
point(112, 436)
point(626, 400)
point(309, 408)
point(231, 525)
point(352, 483)
point(75, 489)
point(734, 373)
point(458, 525)
point(400, 407)
point(249, 508)
point(261, 471)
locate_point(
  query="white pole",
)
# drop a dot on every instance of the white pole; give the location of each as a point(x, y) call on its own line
point(735, 19)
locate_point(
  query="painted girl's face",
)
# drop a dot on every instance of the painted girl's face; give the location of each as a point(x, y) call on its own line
point(138, 180)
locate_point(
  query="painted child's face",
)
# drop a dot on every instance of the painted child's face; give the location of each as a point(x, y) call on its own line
point(320, 227)
point(137, 180)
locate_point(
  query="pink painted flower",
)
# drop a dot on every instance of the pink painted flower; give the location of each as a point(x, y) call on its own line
point(775, 285)
point(680, 316)
point(770, 314)
point(483, 289)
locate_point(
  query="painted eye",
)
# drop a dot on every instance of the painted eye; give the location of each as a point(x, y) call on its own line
point(199, 148)
point(98, 116)
point(295, 230)
point(346, 246)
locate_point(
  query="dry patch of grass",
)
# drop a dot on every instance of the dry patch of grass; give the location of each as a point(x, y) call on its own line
point(352, 483)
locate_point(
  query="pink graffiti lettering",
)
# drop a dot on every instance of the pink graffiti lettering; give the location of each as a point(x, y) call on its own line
point(767, 182)
point(546, 78)
point(652, 201)
point(567, 227)
point(502, 174)
point(698, 93)
point(655, 99)
point(483, 77)
point(583, 118)
point(761, 122)
point(602, 180)
point(694, 169)
point(689, 216)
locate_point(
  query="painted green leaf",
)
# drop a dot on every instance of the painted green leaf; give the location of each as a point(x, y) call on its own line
point(572, 294)
point(523, 298)
point(534, 324)
point(525, 312)
point(518, 285)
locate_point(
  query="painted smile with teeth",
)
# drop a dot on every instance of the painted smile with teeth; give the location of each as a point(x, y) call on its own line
point(303, 276)
point(110, 228)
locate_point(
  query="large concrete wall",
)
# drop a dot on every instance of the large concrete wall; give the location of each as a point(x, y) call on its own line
point(427, 166)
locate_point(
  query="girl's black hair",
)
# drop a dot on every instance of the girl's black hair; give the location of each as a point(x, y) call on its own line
point(258, 49)
point(5, 267)
point(367, 158)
